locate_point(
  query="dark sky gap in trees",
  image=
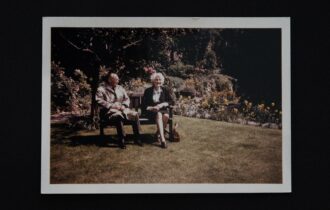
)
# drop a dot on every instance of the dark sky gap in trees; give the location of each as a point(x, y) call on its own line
point(256, 62)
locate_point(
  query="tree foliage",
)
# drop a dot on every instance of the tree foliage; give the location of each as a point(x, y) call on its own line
point(127, 50)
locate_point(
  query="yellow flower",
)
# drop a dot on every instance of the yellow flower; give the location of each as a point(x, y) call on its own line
point(205, 104)
point(235, 110)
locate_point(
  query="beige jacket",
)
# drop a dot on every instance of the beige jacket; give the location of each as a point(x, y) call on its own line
point(107, 97)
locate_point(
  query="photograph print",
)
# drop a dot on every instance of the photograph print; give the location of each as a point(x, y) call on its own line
point(166, 105)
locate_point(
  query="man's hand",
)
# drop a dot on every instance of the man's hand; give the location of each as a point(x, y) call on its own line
point(122, 108)
point(118, 106)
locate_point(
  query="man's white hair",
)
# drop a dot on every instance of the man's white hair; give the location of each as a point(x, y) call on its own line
point(155, 75)
point(112, 75)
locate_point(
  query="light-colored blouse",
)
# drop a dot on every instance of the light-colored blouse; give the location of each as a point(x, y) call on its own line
point(156, 95)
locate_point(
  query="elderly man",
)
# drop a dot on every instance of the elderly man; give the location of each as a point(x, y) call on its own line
point(114, 103)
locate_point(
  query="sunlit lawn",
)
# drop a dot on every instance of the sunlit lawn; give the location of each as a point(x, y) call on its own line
point(209, 152)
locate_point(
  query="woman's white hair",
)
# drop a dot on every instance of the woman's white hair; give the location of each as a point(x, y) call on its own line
point(155, 75)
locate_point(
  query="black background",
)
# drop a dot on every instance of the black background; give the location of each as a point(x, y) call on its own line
point(20, 73)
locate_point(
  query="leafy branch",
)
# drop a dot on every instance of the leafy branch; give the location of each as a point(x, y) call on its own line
point(79, 48)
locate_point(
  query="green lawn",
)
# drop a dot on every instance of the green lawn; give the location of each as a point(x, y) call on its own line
point(209, 152)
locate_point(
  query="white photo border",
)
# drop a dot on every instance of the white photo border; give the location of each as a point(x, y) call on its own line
point(282, 23)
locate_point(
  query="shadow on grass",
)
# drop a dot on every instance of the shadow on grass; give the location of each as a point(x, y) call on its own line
point(62, 135)
point(108, 140)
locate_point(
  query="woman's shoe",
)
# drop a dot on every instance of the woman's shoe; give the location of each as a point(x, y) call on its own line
point(157, 137)
point(163, 145)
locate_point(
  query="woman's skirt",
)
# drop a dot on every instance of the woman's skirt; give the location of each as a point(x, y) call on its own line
point(152, 115)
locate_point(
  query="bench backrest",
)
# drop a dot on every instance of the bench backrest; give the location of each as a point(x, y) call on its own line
point(136, 100)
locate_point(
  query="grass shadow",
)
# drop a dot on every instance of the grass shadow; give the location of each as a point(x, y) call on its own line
point(102, 141)
point(108, 140)
point(60, 134)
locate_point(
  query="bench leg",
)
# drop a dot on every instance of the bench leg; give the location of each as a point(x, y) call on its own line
point(170, 121)
point(101, 130)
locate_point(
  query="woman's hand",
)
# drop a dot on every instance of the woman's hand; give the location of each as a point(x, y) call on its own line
point(164, 104)
point(153, 108)
point(157, 107)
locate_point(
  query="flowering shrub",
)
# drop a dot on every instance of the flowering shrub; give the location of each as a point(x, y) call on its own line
point(213, 97)
point(180, 69)
point(220, 106)
point(208, 97)
point(135, 85)
point(69, 94)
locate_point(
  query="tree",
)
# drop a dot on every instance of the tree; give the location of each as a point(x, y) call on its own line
point(126, 51)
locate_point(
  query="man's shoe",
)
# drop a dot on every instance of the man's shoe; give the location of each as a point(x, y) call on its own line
point(138, 142)
point(122, 144)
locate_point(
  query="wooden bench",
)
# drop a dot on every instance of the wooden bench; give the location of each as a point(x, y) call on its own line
point(135, 104)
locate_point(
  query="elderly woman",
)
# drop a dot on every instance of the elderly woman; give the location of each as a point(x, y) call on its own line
point(156, 99)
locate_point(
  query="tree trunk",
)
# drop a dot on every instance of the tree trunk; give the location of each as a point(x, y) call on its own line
point(94, 86)
point(94, 68)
